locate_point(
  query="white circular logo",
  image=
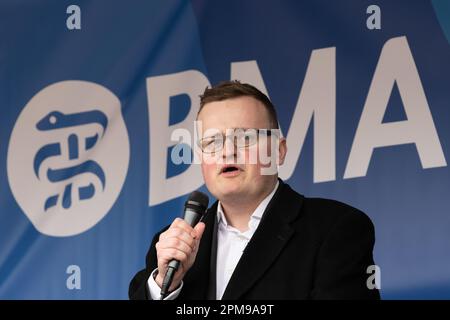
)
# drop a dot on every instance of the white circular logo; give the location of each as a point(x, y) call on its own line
point(68, 157)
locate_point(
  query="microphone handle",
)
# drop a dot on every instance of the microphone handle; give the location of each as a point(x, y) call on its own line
point(192, 218)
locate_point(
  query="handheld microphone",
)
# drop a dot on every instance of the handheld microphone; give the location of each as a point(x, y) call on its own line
point(194, 208)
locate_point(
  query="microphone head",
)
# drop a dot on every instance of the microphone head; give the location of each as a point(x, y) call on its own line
point(197, 201)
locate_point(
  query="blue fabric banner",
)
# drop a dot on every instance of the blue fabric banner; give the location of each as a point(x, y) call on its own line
point(92, 92)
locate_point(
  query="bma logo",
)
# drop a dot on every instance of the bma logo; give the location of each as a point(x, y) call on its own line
point(55, 120)
point(68, 157)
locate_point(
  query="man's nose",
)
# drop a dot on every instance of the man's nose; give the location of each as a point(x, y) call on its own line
point(229, 149)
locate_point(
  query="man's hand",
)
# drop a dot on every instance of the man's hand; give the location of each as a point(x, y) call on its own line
point(179, 242)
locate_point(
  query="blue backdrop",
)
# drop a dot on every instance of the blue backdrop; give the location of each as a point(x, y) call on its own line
point(86, 114)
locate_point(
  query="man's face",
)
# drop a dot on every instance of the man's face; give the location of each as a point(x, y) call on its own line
point(249, 181)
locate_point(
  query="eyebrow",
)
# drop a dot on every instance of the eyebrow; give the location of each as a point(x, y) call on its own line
point(236, 128)
point(241, 128)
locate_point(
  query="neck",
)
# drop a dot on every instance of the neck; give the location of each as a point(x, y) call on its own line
point(239, 211)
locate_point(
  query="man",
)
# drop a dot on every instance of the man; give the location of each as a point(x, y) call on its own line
point(261, 239)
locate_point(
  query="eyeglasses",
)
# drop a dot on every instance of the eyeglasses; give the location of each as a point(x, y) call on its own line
point(242, 138)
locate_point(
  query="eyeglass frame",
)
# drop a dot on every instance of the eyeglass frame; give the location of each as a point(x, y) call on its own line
point(259, 131)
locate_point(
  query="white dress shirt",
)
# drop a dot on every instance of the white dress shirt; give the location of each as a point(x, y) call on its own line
point(230, 245)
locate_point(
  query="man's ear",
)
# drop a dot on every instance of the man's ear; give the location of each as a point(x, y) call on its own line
point(282, 150)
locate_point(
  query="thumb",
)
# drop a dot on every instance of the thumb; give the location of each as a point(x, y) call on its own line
point(199, 229)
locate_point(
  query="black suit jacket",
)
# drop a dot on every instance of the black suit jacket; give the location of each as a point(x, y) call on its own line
point(304, 248)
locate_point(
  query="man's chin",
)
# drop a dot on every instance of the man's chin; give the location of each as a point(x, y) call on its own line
point(230, 191)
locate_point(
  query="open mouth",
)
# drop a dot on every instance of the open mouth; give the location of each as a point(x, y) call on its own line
point(230, 169)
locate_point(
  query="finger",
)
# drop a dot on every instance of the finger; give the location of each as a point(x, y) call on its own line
point(175, 243)
point(169, 254)
point(179, 234)
point(180, 223)
point(198, 230)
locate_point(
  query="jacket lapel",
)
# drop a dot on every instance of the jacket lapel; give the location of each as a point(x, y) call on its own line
point(273, 233)
point(213, 264)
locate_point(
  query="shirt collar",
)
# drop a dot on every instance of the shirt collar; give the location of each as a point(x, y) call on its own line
point(257, 214)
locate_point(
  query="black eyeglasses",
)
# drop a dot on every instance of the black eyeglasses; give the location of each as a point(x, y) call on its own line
point(242, 138)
